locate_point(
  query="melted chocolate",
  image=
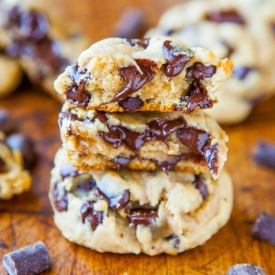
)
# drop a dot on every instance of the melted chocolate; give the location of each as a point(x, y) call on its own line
point(67, 115)
point(174, 59)
point(137, 42)
point(122, 162)
point(225, 16)
point(87, 185)
point(131, 103)
point(60, 196)
point(101, 116)
point(77, 94)
point(2, 165)
point(134, 80)
point(201, 186)
point(68, 170)
point(142, 216)
point(174, 238)
point(211, 156)
point(200, 71)
point(243, 72)
point(88, 213)
point(197, 96)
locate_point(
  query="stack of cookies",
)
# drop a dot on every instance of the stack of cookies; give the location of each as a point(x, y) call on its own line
point(141, 168)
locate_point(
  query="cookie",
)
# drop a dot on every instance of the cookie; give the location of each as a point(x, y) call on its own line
point(222, 29)
point(14, 179)
point(38, 38)
point(117, 74)
point(148, 212)
point(142, 140)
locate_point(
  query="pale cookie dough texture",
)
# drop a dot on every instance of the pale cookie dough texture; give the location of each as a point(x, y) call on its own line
point(224, 28)
point(14, 180)
point(156, 74)
point(146, 212)
point(143, 140)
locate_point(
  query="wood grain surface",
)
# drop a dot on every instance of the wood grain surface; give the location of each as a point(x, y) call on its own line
point(28, 218)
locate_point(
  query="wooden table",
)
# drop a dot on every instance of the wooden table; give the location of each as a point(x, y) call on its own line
point(28, 218)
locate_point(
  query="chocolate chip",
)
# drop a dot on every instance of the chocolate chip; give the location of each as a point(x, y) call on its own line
point(175, 61)
point(264, 228)
point(142, 216)
point(134, 80)
point(92, 216)
point(60, 196)
point(122, 162)
point(201, 186)
point(6, 123)
point(29, 260)
point(101, 116)
point(131, 103)
point(67, 115)
point(245, 269)
point(87, 185)
point(225, 16)
point(25, 146)
point(211, 156)
point(242, 72)
point(131, 24)
point(200, 71)
point(265, 154)
point(197, 97)
point(144, 43)
point(175, 239)
point(67, 170)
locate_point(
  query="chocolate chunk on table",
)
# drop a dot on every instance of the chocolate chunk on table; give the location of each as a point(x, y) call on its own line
point(28, 260)
point(245, 269)
point(264, 228)
point(265, 154)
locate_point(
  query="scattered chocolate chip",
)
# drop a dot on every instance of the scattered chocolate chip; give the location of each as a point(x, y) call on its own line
point(175, 60)
point(200, 71)
point(3, 166)
point(122, 162)
point(25, 146)
point(245, 269)
point(67, 170)
point(87, 185)
point(225, 16)
point(265, 154)
point(197, 96)
point(144, 43)
point(92, 216)
point(29, 260)
point(201, 186)
point(243, 72)
point(131, 103)
point(101, 116)
point(67, 115)
point(6, 123)
point(211, 156)
point(175, 239)
point(142, 216)
point(264, 228)
point(60, 196)
point(134, 80)
point(131, 24)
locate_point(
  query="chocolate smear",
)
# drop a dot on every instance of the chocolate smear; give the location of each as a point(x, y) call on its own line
point(175, 61)
point(265, 154)
point(142, 216)
point(243, 72)
point(201, 186)
point(60, 196)
point(175, 239)
point(200, 71)
point(92, 216)
point(67, 170)
point(245, 269)
point(131, 103)
point(134, 80)
point(231, 16)
point(144, 43)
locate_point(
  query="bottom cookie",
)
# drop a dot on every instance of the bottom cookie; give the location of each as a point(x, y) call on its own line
point(136, 211)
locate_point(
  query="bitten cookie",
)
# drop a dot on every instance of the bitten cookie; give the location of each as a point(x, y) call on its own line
point(156, 74)
point(143, 140)
point(147, 212)
point(14, 180)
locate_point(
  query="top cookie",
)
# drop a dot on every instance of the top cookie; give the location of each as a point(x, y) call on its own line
point(156, 74)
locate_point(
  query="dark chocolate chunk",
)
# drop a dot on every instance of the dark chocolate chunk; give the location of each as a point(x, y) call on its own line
point(265, 154)
point(60, 196)
point(25, 146)
point(142, 216)
point(29, 260)
point(134, 80)
point(242, 72)
point(245, 269)
point(231, 16)
point(101, 116)
point(197, 96)
point(175, 239)
point(87, 185)
point(175, 60)
point(211, 156)
point(6, 123)
point(122, 162)
point(92, 216)
point(201, 186)
point(67, 115)
point(138, 42)
point(3, 166)
point(264, 228)
point(131, 24)
point(131, 103)
point(200, 71)
point(67, 170)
